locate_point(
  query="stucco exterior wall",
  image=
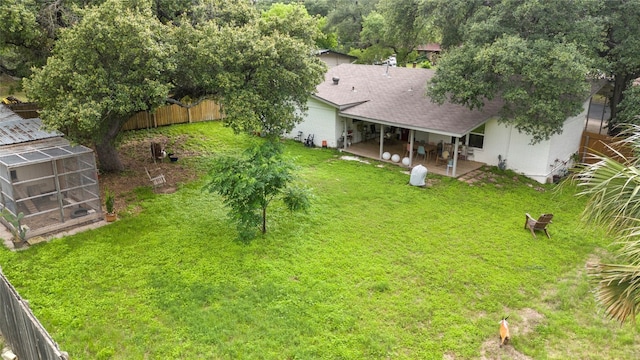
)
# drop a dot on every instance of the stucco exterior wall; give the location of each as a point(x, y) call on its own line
point(564, 146)
point(322, 121)
point(535, 161)
point(510, 144)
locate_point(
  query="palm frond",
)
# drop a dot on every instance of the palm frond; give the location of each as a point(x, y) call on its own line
point(613, 187)
point(618, 290)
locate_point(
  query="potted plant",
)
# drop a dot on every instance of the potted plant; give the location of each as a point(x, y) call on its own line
point(109, 203)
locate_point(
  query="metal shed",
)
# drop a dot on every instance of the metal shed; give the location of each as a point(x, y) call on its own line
point(53, 183)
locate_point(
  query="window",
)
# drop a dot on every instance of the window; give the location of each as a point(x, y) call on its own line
point(476, 137)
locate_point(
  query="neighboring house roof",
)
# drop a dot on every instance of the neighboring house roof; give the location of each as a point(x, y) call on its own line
point(14, 129)
point(329, 51)
point(334, 58)
point(395, 96)
point(429, 48)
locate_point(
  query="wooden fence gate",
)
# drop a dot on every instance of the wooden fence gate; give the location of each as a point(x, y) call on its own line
point(594, 143)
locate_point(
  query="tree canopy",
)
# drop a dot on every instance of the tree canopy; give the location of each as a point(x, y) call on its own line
point(106, 68)
point(23, 41)
point(621, 57)
point(120, 59)
point(554, 48)
point(535, 55)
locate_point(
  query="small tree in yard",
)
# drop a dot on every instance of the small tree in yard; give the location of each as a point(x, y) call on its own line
point(249, 184)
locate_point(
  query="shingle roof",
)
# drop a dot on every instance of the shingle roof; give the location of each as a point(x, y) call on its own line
point(14, 129)
point(429, 47)
point(396, 96)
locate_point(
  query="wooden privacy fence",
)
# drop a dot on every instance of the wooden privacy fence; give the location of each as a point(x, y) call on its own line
point(174, 114)
point(594, 143)
point(24, 334)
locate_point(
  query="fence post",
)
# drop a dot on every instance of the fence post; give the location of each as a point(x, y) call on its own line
point(584, 148)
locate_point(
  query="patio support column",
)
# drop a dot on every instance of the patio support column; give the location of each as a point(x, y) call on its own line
point(411, 140)
point(344, 135)
point(455, 157)
point(381, 141)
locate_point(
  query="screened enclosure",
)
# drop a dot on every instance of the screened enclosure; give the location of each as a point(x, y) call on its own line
point(54, 184)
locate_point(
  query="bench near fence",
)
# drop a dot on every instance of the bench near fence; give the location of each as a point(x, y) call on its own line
point(21, 330)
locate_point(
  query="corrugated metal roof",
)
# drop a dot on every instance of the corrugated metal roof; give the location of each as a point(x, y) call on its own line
point(14, 129)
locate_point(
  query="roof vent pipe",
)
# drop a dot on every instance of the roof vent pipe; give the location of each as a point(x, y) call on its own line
point(335, 80)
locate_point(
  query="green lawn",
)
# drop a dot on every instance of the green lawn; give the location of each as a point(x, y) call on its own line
point(10, 86)
point(376, 270)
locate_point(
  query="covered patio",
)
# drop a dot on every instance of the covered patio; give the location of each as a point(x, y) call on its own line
point(371, 149)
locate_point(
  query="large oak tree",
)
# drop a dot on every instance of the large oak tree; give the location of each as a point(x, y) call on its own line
point(109, 66)
point(536, 55)
point(120, 59)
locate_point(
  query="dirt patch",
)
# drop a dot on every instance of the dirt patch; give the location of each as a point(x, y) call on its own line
point(522, 324)
point(136, 156)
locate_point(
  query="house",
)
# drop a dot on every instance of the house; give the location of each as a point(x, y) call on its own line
point(52, 183)
point(385, 107)
point(334, 58)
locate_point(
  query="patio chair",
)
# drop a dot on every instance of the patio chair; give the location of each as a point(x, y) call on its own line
point(539, 225)
point(157, 180)
point(468, 153)
point(443, 157)
point(421, 152)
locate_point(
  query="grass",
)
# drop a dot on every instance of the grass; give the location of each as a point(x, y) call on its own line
point(10, 86)
point(377, 269)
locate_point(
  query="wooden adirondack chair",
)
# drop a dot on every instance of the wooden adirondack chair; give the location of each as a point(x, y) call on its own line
point(157, 180)
point(540, 224)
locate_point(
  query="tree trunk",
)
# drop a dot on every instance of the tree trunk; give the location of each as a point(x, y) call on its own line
point(108, 158)
point(264, 219)
point(620, 84)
